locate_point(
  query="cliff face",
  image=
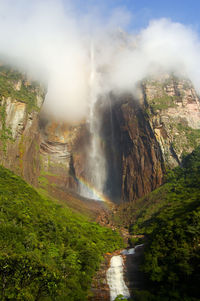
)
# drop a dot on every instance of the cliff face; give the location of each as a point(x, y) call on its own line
point(173, 108)
point(62, 153)
point(140, 137)
point(20, 102)
point(142, 165)
point(156, 131)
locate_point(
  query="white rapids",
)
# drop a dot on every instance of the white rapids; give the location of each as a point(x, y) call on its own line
point(131, 251)
point(115, 278)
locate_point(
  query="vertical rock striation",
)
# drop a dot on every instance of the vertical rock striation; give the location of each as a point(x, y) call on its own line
point(142, 165)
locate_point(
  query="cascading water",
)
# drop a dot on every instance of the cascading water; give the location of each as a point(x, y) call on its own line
point(115, 278)
point(96, 159)
point(115, 274)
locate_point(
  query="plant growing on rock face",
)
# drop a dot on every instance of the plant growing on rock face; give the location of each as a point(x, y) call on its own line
point(5, 132)
point(27, 92)
point(162, 103)
point(120, 298)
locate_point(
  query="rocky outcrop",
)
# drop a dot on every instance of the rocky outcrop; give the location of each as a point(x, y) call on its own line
point(173, 107)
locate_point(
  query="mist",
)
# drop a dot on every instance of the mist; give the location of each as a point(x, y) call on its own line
point(51, 42)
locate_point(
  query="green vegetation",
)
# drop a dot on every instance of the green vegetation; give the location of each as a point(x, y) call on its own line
point(46, 251)
point(172, 256)
point(192, 135)
point(162, 103)
point(5, 132)
point(170, 219)
point(43, 180)
point(27, 92)
point(120, 298)
point(172, 127)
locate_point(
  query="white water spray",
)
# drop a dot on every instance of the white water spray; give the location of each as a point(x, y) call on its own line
point(115, 274)
point(132, 250)
point(115, 278)
point(96, 158)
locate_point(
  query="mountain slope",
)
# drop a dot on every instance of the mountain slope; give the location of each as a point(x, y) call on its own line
point(47, 252)
point(169, 217)
point(172, 257)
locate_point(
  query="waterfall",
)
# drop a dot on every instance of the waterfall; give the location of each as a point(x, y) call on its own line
point(115, 273)
point(96, 159)
point(115, 278)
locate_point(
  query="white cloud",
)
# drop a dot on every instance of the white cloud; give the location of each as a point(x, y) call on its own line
point(53, 44)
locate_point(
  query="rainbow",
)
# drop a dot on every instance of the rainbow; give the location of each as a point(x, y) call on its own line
point(96, 195)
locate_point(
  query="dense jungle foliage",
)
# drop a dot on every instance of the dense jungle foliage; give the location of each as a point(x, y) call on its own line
point(172, 257)
point(172, 227)
point(46, 251)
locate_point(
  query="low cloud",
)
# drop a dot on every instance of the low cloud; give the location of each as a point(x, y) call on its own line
point(53, 43)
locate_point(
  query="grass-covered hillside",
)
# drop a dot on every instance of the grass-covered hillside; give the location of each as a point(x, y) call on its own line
point(46, 251)
point(170, 220)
